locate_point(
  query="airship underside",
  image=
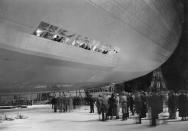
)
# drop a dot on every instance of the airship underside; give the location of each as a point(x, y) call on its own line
point(142, 34)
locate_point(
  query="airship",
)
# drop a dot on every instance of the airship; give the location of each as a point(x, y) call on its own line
point(84, 43)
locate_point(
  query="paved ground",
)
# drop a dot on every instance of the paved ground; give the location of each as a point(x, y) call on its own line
point(42, 118)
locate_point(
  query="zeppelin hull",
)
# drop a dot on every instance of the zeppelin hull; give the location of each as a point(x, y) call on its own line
point(146, 32)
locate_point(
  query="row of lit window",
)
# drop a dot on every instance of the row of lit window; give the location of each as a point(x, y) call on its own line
point(55, 33)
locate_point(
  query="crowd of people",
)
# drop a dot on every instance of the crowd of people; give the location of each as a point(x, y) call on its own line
point(152, 105)
point(66, 103)
point(141, 105)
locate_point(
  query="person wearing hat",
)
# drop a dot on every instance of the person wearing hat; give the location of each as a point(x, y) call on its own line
point(112, 106)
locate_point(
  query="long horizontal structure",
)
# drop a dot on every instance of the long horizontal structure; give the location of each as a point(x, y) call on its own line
point(63, 36)
point(145, 32)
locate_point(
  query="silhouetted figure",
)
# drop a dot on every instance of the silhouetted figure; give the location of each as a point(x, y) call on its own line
point(138, 106)
point(55, 104)
point(112, 106)
point(66, 103)
point(186, 106)
point(155, 102)
point(102, 106)
point(70, 103)
point(144, 105)
point(60, 103)
point(182, 105)
point(118, 106)
point(172, 105)
point(91, 103)
point(123, 102)
point(131, 103)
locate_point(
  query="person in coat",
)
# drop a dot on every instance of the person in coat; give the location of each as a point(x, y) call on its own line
point(144, 105)
point(182, 105)
point(172, 105)
point(155, 102)
point(112, 106)
point(55, 104)
point(70, 103)
point(118, 105)
point(53, 101)
point(131, 103)
point(91, 104)
point(123, 102)
point(138, 106)
point(102, 107)
point(186, 105)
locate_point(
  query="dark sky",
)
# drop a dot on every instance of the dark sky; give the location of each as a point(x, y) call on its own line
point(175, 69)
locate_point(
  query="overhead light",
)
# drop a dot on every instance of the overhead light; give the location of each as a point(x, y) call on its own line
point(38, 32)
